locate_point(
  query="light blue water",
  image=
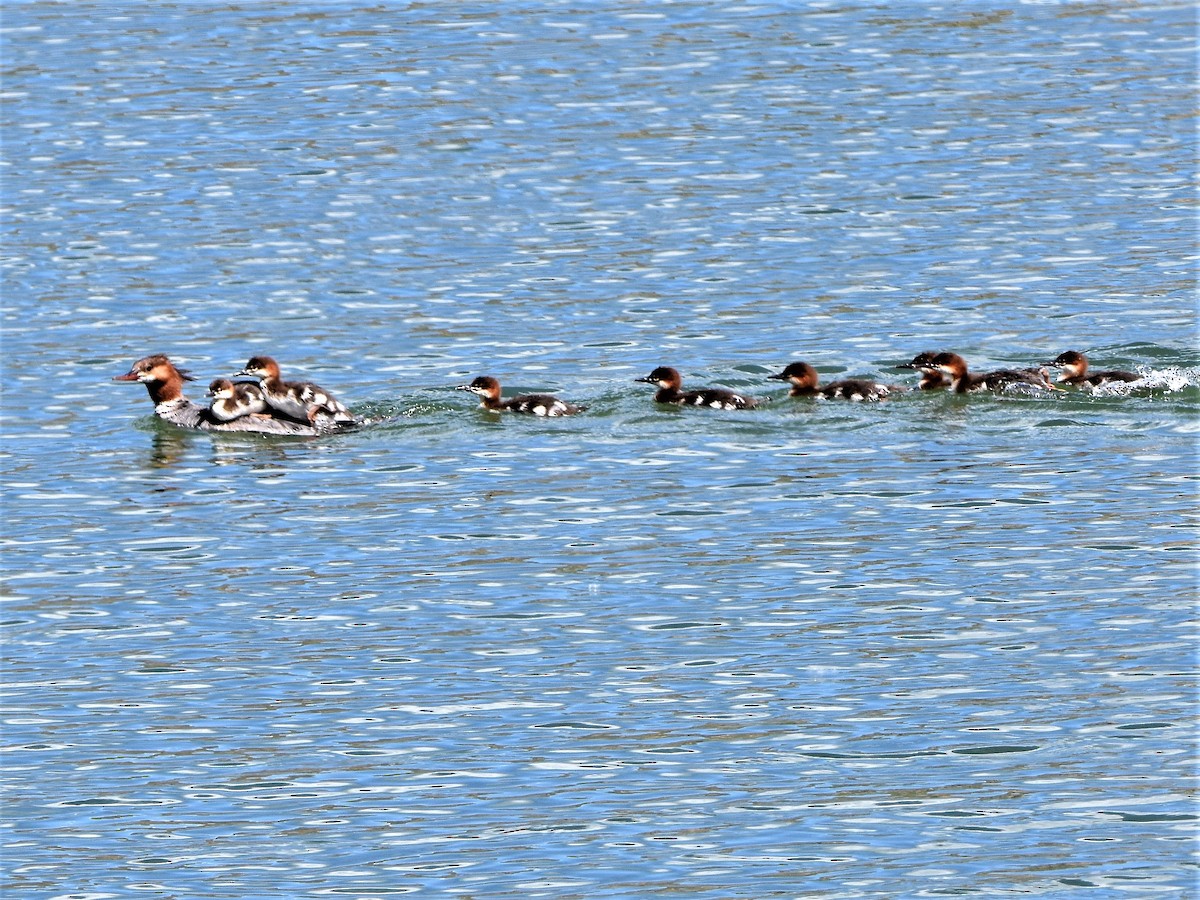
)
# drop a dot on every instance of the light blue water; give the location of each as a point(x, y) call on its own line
point(929, 647)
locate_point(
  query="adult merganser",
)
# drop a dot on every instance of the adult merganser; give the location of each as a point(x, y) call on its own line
point(1073, 368)
point(164, 382)
point(670, 385)
point(300, 400)
point(805, 380)
point(488, 390)
point(962, 381)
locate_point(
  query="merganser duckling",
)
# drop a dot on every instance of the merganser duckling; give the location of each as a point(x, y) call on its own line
point(164, 382)
point(804, 380)
point(232, 401)
point(488, 390)
point(1073, 368)
point(299, 400)
point(962, 381)
point(932, 378)
point(670, 391)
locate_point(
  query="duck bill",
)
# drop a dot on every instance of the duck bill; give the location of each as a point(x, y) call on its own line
point(777, 377)
point(128, 376)
point(646, 380)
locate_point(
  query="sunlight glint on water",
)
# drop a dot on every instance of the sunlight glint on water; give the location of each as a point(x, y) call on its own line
point(930, 646)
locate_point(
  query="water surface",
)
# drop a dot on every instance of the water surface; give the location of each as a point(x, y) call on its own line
point(931, 646)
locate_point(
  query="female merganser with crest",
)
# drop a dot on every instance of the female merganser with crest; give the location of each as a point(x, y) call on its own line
point(670, 385)
point(488, 390)
point(804, 380)
point(299, 400)
point(1073, 367)
point(164, 382)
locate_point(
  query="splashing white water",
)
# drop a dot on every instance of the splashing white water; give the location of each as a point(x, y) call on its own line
point(1168, 380)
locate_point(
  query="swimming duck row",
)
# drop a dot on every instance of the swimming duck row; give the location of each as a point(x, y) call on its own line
point(267, 404)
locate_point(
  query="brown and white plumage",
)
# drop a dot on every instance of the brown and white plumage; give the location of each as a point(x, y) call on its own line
point(1073, 369)
point(164, 382)
point(670, 390)
point(488, 390)
point(233, 400)
point(299, 400)
point(962, 381)
point(932, 378)
point(805, 382)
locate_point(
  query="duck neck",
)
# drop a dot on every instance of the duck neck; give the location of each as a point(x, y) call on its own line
point(167, 390)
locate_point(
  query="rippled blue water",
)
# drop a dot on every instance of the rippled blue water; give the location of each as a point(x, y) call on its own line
point(931, 646)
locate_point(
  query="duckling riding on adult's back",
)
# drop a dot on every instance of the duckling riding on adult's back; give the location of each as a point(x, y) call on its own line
point(164, 382)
